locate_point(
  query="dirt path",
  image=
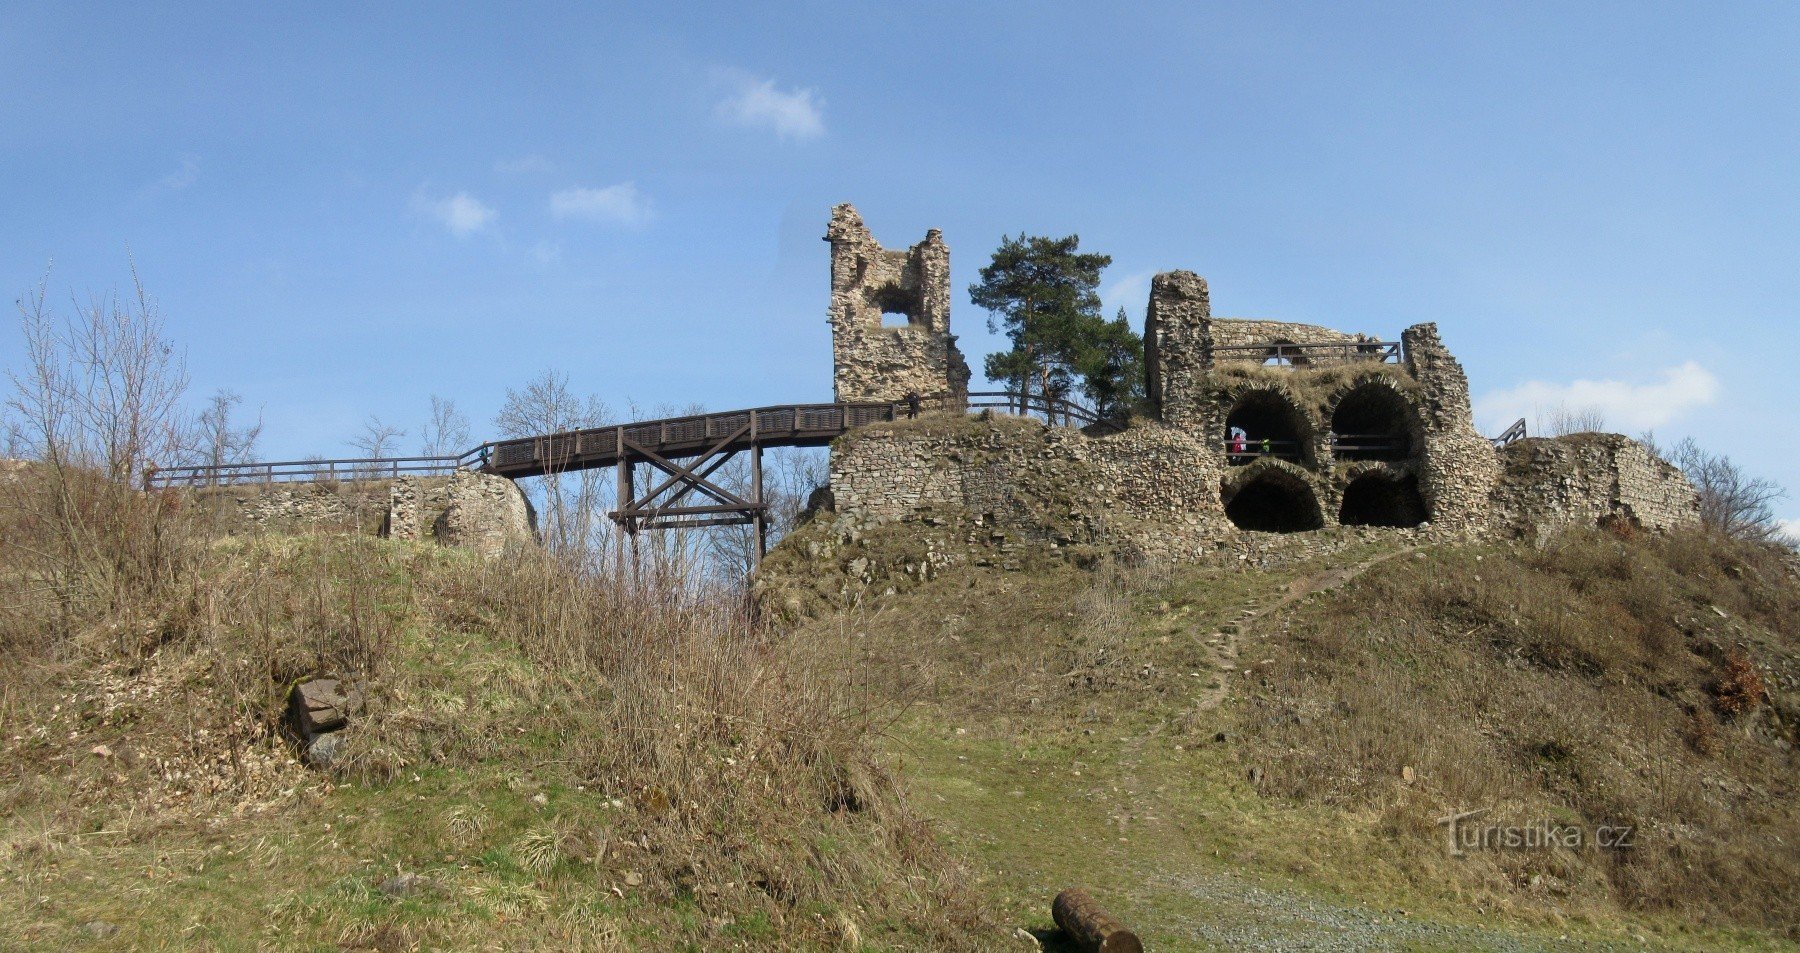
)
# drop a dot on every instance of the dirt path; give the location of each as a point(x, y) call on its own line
point(1222, 646)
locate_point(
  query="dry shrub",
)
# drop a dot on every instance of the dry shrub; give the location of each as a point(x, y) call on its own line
point(1740, 689)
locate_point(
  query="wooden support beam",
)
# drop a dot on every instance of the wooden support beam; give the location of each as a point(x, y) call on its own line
point(680, 473)
point(756, 489)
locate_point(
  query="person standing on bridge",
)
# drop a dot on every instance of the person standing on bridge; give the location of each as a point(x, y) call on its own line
point(1238, 441)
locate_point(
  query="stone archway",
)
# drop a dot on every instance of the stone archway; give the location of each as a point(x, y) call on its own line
point(1373, 421)
point(1272, 426)
point(1382, 499)
point(1273, 501)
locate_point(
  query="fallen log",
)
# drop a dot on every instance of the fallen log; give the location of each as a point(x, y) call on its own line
point(1092, 929)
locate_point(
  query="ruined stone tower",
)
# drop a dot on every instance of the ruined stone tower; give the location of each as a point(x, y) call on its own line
point(890, 318)
point(1178, 348)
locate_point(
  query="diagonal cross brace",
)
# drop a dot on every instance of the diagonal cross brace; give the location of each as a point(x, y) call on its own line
point(694, 476)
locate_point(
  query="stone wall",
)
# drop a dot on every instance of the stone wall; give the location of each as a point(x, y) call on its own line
point(1247, 332)
point(1145, 489)
point(877, 361)
point(475, 510)
point(1457, 467)
point(1587, 479)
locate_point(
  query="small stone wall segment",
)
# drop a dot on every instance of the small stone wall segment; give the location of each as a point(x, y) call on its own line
point(1178, 351)
point(1589, 479)
point(873, 362)
point(1458, 467)
point(1247, 332)
point(474, 510)
point(1141, 490)
point(485, 513)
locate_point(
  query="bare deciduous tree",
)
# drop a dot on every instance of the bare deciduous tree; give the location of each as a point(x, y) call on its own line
point(219, 441)
point(97, 402)
point(1562, 420)
point(571, 502)
point(790, 475)
point(1731, 501)
point(447, 433)
point(377, 440)
point(101, 389)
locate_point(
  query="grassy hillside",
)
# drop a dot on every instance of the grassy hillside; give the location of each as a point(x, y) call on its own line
point(1235, 757)
point(548, 760)
point(1229, 756)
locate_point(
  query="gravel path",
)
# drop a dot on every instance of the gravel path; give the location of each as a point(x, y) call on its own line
point(1232, 914)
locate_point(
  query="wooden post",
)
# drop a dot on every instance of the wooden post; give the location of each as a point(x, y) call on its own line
point(1089, 926)
point(626, 491)
point(759, 520)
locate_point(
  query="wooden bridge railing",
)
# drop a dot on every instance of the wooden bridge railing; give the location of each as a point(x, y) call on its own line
point(290, 471)
point(1511, 435)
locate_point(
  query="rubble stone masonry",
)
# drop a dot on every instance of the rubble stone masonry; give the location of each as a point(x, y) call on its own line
point(474, 510)
point(913, 353)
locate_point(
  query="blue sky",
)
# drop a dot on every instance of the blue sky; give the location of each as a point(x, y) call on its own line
point(345, 208)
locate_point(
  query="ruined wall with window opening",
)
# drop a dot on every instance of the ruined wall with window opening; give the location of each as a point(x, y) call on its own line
point(890, 317)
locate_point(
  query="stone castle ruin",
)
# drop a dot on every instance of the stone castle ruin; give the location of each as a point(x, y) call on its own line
point(1254, 427)
point(890, 317)
point(1255, 431)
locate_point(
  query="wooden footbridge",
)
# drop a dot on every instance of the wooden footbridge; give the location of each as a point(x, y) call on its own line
point(681, 455)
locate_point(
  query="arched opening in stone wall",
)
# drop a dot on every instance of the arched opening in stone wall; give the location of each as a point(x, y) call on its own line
point(1283, 353)
point(1372, 422)
point(1263, 423)
point(1273, 501)
point(1375, 499)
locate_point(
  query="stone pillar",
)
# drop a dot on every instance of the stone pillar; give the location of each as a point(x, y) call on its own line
point(404, 498)
point(1459, 466)
point(912, 354)
point(1178, 351)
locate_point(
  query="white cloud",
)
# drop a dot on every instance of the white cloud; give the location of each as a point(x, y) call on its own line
point(463, 214)
point(533, 164)
point(1628, 407)
point(620, 204)
point(759, 103)
point(1790, 529)
point(546, 253)
point(183, 176)
point(1131, 292)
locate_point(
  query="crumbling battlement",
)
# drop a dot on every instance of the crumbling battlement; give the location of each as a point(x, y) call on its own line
point(1146, 489)
point(1254, 333)
point(913, 354)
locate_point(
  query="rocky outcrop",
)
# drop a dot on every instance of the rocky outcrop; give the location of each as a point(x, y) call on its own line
point(318, 711)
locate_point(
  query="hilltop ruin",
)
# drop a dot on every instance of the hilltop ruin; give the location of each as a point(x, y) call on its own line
point(1254, 427)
